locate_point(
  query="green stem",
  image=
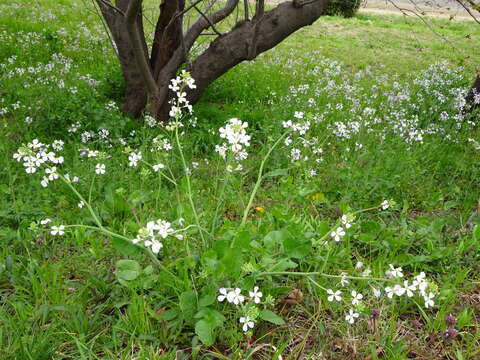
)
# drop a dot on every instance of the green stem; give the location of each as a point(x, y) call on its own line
point(161, 173)
point(219, 201)
point(259, 179)
point(315, 273)
point(189, 187)
point(87, 204)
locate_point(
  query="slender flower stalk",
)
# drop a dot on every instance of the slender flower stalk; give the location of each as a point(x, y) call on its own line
point(259, 179)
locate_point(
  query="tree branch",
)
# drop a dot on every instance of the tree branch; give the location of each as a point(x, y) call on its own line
point(208, 20)
point(236, 46)
point(467, 9)
point(201, 25)
point(111, 6)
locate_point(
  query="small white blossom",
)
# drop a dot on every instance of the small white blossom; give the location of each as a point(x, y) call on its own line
point(346, 222)
point(338, 234)
point(134, 158)
point(356, 297)
point(100, 169)
point(235, 296)
point(385, 205)
point(158, 167)
point(334, 295)
point(351, 316)
point(394, 272)
point(429, 300)
point(223, 294)
point(57, 230)
point(247, 323)
point(255, 295)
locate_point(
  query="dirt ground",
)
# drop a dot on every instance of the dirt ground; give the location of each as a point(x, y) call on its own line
point(437, 8)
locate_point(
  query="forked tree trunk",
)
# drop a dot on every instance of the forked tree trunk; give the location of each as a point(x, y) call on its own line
point(147, 77)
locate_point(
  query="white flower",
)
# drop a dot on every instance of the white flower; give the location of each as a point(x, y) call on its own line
point(394, 272)
point(409, 289)
point(58, 145)
point(70, 180)
point(334, 295)
point(376, 292)
point(150, 120)
point(57, 230)
point(429, 300)
point(235, 297)
point(157, 167)
point(351, 316)
point(44, 181)
point(80, 204)
point(385, 204)
point(255, 295)
point(398, 290)
point(356, 297)
point(343, 280)
point(338, 234)
point(100, 169)
point(223, 294)
point(52, 173)
point(154, 244)
point(45, 221)
point(421, 283)
point(389, 292)
point(247, 323)
point(134, 158)
point(298, 115)
point(30, 168)
point(346, 222)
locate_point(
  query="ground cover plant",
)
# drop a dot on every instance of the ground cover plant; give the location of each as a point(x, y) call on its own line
point(318, 203)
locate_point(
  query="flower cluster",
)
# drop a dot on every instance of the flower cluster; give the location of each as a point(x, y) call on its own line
point(234, 296)
point(418, 285)
point(237, 140)
point(153, 233)
point(35, 155)
point(180, 102)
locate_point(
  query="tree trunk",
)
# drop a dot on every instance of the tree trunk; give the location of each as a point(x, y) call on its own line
point(474, 91)
point(147, 78)
point(135, 89)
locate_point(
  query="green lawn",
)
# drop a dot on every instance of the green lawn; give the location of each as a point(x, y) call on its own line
point(354, 124)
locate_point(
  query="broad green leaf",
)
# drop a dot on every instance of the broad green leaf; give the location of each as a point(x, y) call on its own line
point(275, 238)
point(296, 247)
point(188, 304)
point(208, 296)
point(271, 317)
point(205, 328)
point(127, 270)
point(205, 331)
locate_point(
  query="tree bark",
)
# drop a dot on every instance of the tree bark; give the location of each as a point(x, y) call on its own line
point(474, 91)
point(135, 88)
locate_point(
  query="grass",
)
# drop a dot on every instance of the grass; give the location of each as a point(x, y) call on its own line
point(91, 294)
